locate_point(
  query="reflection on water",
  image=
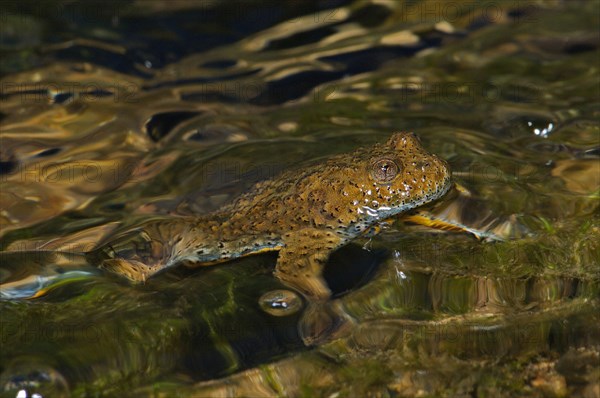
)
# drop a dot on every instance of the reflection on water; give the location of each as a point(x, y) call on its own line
point(113, 115)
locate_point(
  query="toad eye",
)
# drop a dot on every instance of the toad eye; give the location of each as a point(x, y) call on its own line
point(384, 170)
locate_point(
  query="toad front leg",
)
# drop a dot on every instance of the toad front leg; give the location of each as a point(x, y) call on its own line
point(300, 266)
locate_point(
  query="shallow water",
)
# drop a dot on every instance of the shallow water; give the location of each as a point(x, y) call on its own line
point(112, 115)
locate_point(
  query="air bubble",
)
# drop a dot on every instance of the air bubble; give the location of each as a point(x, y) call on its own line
point(31, 377)
point(280, 302)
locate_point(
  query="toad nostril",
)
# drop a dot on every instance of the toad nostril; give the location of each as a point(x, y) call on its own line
point(421, 165)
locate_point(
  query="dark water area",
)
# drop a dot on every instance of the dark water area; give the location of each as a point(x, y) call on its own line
point(118, 112)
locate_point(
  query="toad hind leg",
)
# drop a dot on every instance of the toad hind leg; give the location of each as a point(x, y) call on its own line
point(300, 266)
point(141, 252)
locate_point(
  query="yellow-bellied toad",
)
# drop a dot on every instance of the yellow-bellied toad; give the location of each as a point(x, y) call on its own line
point(304, 214)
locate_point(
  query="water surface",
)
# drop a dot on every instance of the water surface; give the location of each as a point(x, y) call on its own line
point(116, 114)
